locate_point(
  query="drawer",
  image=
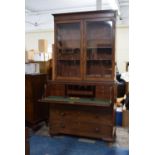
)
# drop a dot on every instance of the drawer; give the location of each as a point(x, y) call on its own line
point(101, 118)
point(62, 114)
point(62, 126)
point(93, 130)
point(104, 117)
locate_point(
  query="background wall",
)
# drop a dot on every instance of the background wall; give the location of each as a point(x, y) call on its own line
point(122, 47)
point(122, 43)
point(31, 38)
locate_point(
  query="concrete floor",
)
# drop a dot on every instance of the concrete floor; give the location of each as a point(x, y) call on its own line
point(122, 138)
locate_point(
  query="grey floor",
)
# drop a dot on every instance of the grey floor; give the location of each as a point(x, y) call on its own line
point(122, 136)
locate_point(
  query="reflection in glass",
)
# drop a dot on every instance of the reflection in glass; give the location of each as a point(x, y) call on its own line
point(99, 49)
point(68, 49)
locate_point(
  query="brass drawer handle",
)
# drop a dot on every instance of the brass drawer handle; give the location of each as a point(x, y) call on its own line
point(97, 129)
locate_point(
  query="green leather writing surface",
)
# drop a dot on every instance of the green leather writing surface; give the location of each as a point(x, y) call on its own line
point(81, 100)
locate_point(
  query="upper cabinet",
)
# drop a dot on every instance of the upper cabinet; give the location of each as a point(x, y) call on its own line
point(85, 46)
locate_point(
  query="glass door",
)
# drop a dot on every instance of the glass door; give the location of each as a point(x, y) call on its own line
point(98, 49)
point(68, 50)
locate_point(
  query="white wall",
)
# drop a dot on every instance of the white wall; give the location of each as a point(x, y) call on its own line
point(122, 47)
point(122, 43)
point(31, 38)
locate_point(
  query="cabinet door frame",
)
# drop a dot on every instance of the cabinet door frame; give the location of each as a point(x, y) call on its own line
point(55, 76)
point(85, 49)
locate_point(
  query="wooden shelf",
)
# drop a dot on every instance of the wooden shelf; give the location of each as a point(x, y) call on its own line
point(98, 75)
point(36, 62)
point(99, 59)
point(69, 48)
point(67, 60)
point(104, 47)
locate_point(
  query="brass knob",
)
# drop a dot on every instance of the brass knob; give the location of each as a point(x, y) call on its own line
point(97, 129)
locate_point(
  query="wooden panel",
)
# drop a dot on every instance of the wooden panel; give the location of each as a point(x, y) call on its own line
point(28, 87)
point(38, 86)
point(104, 91)
point(41, 111)
point(29, 110)
point(55, 90)
point(85, 15)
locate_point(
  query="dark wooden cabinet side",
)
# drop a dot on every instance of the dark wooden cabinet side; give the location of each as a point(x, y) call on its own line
point(27, 143)
point(34, 90)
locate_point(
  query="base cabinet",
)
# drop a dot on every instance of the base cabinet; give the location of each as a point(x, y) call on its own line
point(82, 121)
point(82, 109)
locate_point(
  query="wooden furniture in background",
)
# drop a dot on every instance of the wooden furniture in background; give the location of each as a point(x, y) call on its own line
point(83, 75)
point(42, 45)
point(34, 90)
point(45, 67)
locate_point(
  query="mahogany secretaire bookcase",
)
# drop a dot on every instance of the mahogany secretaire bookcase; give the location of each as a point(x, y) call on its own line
point(83, 90)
